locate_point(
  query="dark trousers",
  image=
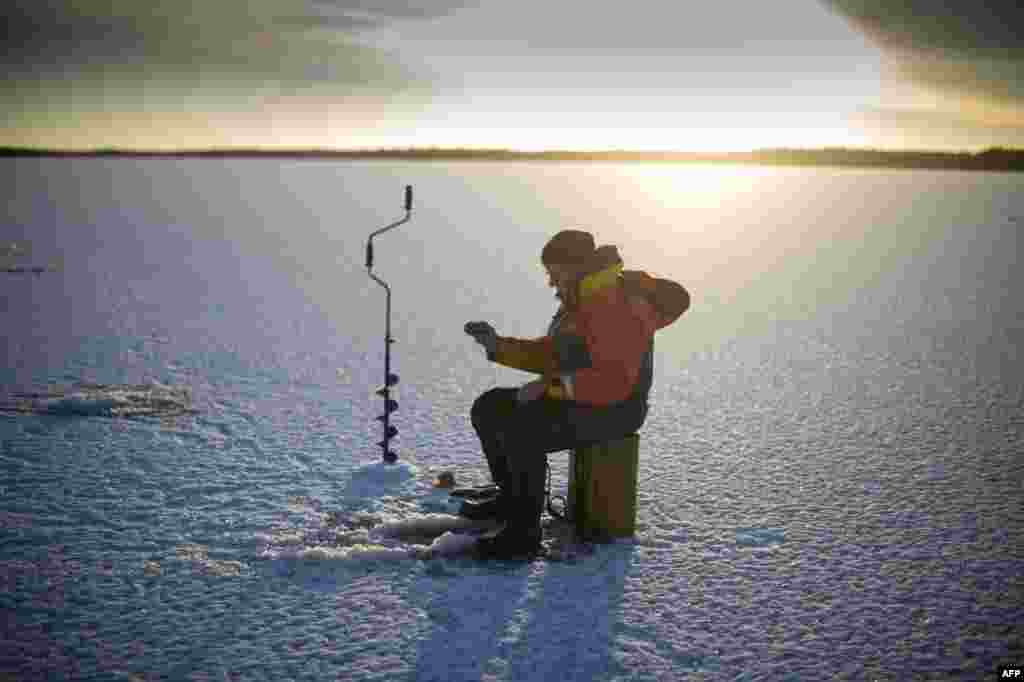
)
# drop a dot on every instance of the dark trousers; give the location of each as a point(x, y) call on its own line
point(517, 438)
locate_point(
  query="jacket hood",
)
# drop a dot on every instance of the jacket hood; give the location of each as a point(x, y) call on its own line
point(669, 298)
point(605, 268)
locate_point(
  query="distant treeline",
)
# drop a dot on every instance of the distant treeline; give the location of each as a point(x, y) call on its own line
point(994, 159)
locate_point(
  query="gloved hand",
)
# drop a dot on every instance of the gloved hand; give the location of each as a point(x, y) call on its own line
point(531, 391)
point(484, 334)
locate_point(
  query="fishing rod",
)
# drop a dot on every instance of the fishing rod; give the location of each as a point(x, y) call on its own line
point(389, 378)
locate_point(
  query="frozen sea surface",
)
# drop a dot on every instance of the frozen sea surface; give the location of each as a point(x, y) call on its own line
point(830, 479)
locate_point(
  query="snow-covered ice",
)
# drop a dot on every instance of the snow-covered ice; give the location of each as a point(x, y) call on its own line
point(192, 490)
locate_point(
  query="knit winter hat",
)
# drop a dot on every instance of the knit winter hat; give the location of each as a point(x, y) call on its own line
point(568, 247)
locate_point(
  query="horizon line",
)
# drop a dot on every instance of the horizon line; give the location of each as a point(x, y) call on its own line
point(992, 159)
point(424, 149)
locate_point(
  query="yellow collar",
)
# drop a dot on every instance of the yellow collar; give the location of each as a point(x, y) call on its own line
point(599, 280)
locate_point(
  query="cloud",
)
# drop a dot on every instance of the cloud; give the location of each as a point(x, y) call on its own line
point(126, 45)
point(964, 27)
point(356, 14)
point(930, 129)
point(968, 50)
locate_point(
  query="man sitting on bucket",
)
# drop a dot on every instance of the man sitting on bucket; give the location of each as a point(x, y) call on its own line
point(596, 367)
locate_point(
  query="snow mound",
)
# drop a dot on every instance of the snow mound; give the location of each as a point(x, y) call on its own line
point(421, 536)
point(376, 480)
point(429, 525)
point(103, 400)
point(451, 544)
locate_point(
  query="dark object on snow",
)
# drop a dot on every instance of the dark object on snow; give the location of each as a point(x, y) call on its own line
point(445, 479)
point(476, 493)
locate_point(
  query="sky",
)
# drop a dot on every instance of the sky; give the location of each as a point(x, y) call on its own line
point(726, 75)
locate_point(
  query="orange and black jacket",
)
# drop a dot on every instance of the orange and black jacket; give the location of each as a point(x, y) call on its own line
point(604, 339)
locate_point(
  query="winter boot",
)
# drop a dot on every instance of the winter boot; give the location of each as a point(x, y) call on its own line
point(521, 537)
point(510, 544)
point(483, 509)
